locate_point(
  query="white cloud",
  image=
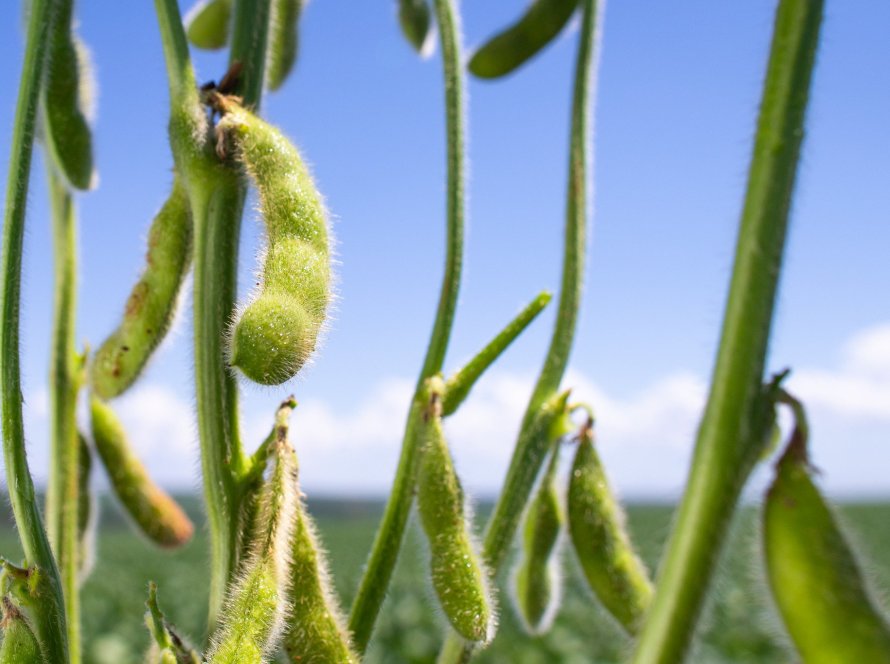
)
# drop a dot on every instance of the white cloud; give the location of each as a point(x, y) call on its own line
point(860, 387)
point(645, 435)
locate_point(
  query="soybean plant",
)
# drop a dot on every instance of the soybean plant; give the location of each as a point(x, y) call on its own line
point(271, 594)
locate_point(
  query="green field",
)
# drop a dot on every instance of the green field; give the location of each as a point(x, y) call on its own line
point(740, 625)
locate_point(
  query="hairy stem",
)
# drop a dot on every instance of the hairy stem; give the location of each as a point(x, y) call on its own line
point(50, 611)
point(726, 449)
point(63, 500)
point(390, 534)
point(530, 453)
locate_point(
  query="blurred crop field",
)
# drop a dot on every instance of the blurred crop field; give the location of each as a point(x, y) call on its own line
point(740, 625)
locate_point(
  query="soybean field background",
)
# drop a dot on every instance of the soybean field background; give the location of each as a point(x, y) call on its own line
point(740, 624)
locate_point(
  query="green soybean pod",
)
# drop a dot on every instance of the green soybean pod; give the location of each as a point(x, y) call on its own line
point(207, 23)
point(537, 582)
point(283, 41)
point(416, 21)
point(278, 329)
point(459, 578)
point(152, 302)
point(315, 630)
point(86, 510)
point(66, 91)
point(19, 643)
point(812, 570)
point(254, 612)
point(155, 513)
point(168, 647)
point(596, 524)
point(508, 50)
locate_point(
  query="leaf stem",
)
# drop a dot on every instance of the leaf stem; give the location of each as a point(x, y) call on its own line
point(385, 551)
point(727, 449)
point(530, 450)
point(50, 613)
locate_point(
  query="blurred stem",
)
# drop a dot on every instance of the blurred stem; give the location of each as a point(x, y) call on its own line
point(62, 499)
point(531, 450)
point(728, 446)
point(49, 618)
point(385, 551)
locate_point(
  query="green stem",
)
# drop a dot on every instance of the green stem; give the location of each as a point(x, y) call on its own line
point(459, 384)
point(726, 449)
point(50, 613)
point(531, 450)
point(217, 193)
point(63, 500)
point(385, 551)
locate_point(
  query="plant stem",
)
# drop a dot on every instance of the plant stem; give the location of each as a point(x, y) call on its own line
point(531, 450)
point(726, 449)
point(385, 551)
point(50, 613)
point(63, 498)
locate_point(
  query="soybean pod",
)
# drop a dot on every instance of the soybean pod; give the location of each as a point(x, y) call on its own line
point(152, 303)
point(253, 614)
point(458, 575)
point(510, 49)
point(86, 510)
point(824, 600)
point(207, 23)
point(596, 524)
point(278, 329)
point(283, 41)
point(67, 89)
point(315, 630)
point(155, 513)
point(537, 581)
point(19, 643)
point(416, 21)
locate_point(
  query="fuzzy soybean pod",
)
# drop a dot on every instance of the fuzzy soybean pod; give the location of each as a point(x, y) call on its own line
point(596, 524)
point(155, 513)
point(537, 582)
point(459, 578)
point(315, 631)
point(19, 643)
point(207, 23)
point(152, 303)
point(278, 329)
point(86, 510)
point(815, 579)
point(283, 41)
point(254, 612)
point(67, 88)
point(508, 50)
point(416, 21)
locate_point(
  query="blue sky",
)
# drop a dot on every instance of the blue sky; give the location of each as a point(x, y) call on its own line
point(679, 86)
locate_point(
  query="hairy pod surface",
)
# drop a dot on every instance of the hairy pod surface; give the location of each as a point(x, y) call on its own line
point(254, 612)
point(510, 49)
point(537, 582)
point(19, 643)
point(459, 578)
point(66, 90)
point(596, 524)
point(86, 510)
point(812, 570)
point(152, 303)
point(283, 41)
point(316, 632)
point(416, 21)
point(207, 23)
point(278, 329)
point(155, 513)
